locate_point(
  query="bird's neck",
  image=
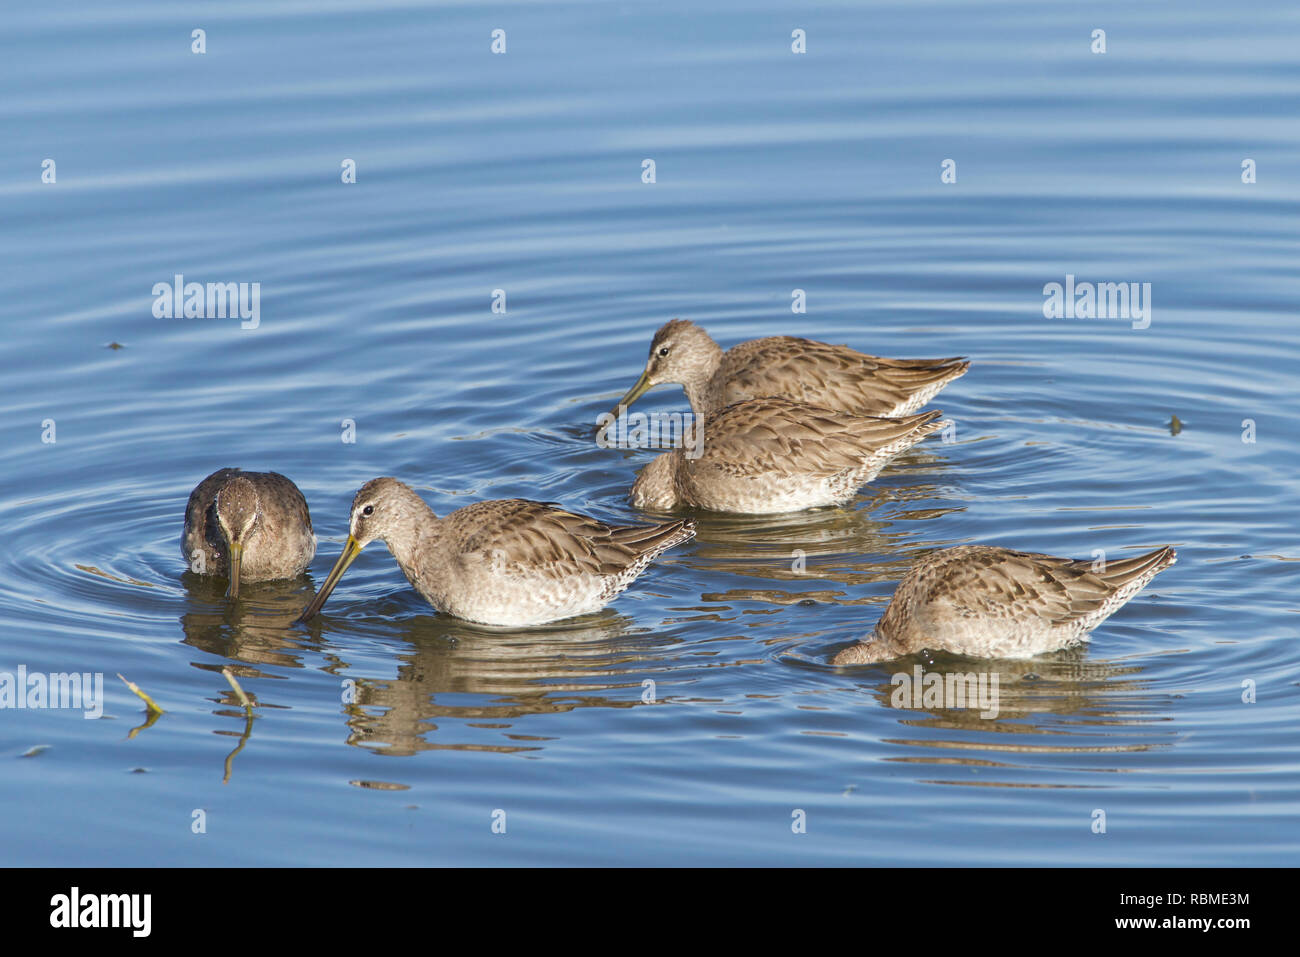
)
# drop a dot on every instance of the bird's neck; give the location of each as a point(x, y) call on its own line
point(705, 388)
point(703, 395)
point(413, 533)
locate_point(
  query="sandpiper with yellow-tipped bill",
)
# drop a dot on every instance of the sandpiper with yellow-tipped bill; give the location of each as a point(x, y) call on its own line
point(801, 370)
point(506, 562)
point(248, 527)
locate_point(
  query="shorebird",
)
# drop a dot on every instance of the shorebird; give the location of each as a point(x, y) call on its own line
point(508, 562)
point(802, 370)
point(771, 455)
point(247, 526)
point(986, 602)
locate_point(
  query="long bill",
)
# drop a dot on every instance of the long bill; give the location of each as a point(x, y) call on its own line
point(350, 552)
point(236, 550)
point(643, 385)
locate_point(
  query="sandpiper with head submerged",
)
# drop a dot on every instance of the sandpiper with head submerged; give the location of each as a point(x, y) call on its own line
point(986, 602)
point(764, 456)
point(247, 526)
point(508, 562)
point(801, 370)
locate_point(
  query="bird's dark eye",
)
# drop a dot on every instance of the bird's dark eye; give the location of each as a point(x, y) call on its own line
point(368, 510)
point(663, 351)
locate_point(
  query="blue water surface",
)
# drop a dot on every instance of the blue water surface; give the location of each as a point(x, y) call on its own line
point(696, 720)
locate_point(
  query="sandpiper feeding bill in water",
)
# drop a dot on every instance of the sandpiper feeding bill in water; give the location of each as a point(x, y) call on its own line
point(248, 526)
point(765, 456)
point(988, 602)
point(801, 370)
point(509, 562)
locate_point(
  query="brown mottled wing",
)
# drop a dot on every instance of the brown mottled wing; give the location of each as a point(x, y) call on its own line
point(780, 437)
point(290, 506)
point(989, 583)
point(1145, 567)
point(545, 538)
point(837, 377)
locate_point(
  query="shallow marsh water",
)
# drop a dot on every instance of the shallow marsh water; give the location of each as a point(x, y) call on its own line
point(386, 734)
